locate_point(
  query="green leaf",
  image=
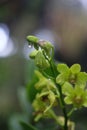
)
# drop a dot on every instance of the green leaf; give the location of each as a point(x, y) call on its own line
point(62, 68)
point(75, 68)
point(24, 102)
point(29, 71)
point(27, 126)
point(31, 91)
point(49, 71)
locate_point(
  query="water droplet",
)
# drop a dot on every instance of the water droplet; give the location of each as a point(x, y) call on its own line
point(30, 46)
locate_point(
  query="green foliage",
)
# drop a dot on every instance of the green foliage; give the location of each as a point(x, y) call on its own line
point(54, 85)
point(27, 126)
point(31, 91)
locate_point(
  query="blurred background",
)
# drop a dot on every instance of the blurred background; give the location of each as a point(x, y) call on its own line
point(62, 22)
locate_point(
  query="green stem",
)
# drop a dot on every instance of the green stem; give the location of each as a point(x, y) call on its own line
point(53, 68)
point(61, 97)
point(54, 71)
point(63, 108)
point(52, 65)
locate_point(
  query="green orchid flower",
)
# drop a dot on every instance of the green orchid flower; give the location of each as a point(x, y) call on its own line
point(39, 107)
point(44, 82)
point(49, 98)
point(75, 95)
point(73, 75)
point(43, 102)
point(38, 103)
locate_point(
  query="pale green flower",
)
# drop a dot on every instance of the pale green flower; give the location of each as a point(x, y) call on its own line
point(43, 102)
point(43, 82)
point(75, 95)
point(38, 104)
point(49, 98)
point(39, 107)
point(71, 75)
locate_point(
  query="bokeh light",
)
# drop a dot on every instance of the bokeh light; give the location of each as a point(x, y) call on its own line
point(6, 43)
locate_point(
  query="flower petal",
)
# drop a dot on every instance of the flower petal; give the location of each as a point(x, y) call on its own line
point(85, 104)
point(38, 74)
point(61, 78)
point(67, 100)
point(67, 88)
point(41, 84)
point(62, 68)
point(51, 98)
point(82, 78)
point(75, 68)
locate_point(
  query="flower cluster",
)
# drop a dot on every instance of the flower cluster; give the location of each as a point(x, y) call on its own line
point(73, 83)
point(46, 96)
point(62, 86)
point(43, 51)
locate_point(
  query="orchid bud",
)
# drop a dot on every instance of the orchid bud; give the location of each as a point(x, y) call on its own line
point(33, 54)
point(40, 61)
point(33, 41)
point(47, 46)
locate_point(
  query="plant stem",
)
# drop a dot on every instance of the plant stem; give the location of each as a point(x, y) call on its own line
point(55, 73)
point(61, 96)
point(63, 108)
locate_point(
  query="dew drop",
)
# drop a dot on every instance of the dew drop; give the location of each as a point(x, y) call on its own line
point(30, 46)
